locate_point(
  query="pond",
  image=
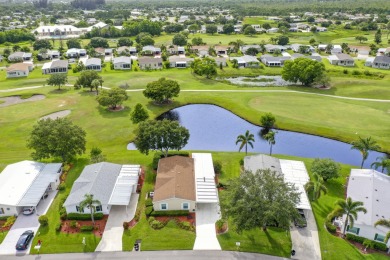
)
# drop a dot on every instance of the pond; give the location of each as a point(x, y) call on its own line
point(213, 128)
point(259, 81)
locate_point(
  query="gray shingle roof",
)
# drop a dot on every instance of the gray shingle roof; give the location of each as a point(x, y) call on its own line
point(97, 179)
point(382, 59)
point(262, 161)
point(93, 61)
point(122, 59)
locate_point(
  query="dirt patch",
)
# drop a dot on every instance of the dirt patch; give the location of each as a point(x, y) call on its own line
point(116, 109)
point(13, 100)
point(98, 231)
point(56, 115)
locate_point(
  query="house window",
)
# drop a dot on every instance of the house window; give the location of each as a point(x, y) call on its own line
point(79, 209)
point(185, 205)
point(1, 211)
point(379, 238)
point(163, 206)
point(99, 208)
point(354, 230)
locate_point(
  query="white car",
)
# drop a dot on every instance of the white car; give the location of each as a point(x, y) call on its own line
point(28, 210)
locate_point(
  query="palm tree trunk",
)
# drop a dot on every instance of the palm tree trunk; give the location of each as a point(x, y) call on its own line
point(345, 225)
point(246, 149)
point(93, 220)
point(361, 166)
point(270, 150)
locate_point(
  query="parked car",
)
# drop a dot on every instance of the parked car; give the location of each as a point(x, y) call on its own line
point(301, 220)
point(28, 210)
point(24, 240)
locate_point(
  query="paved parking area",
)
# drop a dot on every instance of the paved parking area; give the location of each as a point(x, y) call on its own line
point(305, 241)
point(206, 216)
point(112, 235)
point(24, 223)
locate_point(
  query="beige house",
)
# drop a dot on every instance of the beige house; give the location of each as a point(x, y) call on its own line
point(18, 70)
point(150, 63)
point(175, 184)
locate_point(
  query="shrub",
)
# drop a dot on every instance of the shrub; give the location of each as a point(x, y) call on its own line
point(9, 222)
point(58, 227)
point(158, 155)
point(148, 202)
point(217, 167)
point(345, 71)
point(379, 246)
point(61, 204)
point(326, 168)
point(137, 214)
point(242, 162)
point(151, 219)
point(86, 228)
point(78, 216)
point(125, 225)
point(368, 243)
point(367, 73)
point(43, 220)
point(155, 224)
point(185, 225)
point(64, 216)
point(219, 224)
point(61, 187)
point(148, 211)
point(4, 218)
point(62, 210)
point(169, 213)
point(73, 224)
point(330, 227)
point(355, 238)
point(356, 72)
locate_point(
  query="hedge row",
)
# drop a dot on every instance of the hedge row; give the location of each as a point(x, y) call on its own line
point(159, 155)
point(86, 228)
point(169, 213)
point(377, 245)
point(330, 227)
point(78, 216)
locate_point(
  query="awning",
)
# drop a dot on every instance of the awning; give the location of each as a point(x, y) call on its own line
point(34, 193)
point(126, 183)
point(206, 191)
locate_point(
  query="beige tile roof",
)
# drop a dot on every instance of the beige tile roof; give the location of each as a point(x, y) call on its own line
point(18, 67)
point(175, 179)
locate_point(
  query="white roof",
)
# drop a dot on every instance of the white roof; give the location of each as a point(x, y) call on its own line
point(206, 191)
point(20, 182)
point(52, 28)
point(295, 172)
point(127, 179)
point(373, 189)
point(46, 65)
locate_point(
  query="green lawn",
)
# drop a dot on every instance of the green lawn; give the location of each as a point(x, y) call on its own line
point(2, 236)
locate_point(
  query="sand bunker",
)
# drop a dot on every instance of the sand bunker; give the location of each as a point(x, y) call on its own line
point(56, 115)
point(12, 100)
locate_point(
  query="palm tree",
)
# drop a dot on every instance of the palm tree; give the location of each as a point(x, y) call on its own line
point(245, 139)
point(364, 145)
point(382, 162)
point(270, 138)
point(350, 209)
point(384, 223)
point(95, 84)
point(316, 186)
point(90, 203)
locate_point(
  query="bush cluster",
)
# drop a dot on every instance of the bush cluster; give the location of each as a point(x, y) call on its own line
point(86, 228)
point(376, 245)
point(78, 216)
point(9, 221)
point(73, 224)
point(43, 220)
point(330, 227)
point(62, 186)
point(185, 225)
point(169, 213)
point(125, 225)
point(148, 202)
point(155, 224)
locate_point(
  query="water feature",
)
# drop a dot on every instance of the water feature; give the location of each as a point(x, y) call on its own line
point(259, 81)
point(216, 129)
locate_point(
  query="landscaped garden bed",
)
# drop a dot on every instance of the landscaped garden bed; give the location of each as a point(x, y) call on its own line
point(78, 226)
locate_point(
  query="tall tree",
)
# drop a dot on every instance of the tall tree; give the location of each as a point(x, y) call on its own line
point(383, 163)
point(326, 168)
point(57, 80)
point(73, 43)
point(211, 29)
point(302, 70)
point(316, 186)
point(384, 223)
point(112, 98)
point(96, 83)
point(349, 208)
point(86, 78)
point(56, 138)
point(179, 39)
point(97, 155)
point(270, 138)
point(139, 114)
point(206, 66)
point(42, 44)
point(244, 140)
point(260, 199)
point(90, 203)
point(161, 136)
point(364, 146)
point(267, 121)
point(162, 90)
point(378, 36)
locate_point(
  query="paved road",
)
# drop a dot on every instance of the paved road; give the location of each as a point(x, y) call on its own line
point(112, 236)
point(152, 255)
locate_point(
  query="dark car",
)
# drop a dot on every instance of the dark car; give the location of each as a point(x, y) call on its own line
point(24, 240)
point(301, 220)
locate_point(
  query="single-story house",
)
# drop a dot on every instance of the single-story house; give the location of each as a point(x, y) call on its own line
point(76, 53)
point(93, 64)
point(293, 172)
point(369, 61)
point(51, 54)
point(273, 30)
point(201, 50)
point(314, 56)
point(122, 63)
point(18, 70)
point(321, 29)
point(176, 50)
point(150, 63)
point(272, 61)
point(150, 50)
point(20, 56)
point(371, 188)
point(179, 62)
point(111, 184)
point(381, 62)
point(100, 52)
point(322, 47)
point(55, 66)
point(247, 61)
point(341, 60)
point(237, 28)
point(123, 50)
point(133, 51)
point(108, 51)
point(23, 184)
point(220, 60)
point(270, 48)
point(1, 58)
point(244, 48)
point(222, 50)
point(296, 47)
point(336, 49)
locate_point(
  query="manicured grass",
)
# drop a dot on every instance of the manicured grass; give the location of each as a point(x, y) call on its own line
point(2, 236)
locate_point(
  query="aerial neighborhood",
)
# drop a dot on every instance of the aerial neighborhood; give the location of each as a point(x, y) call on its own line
point(247, 129)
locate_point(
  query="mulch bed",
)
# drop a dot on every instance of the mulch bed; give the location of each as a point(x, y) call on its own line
point(116, 109)
point(99, 224)
point(132, 223)
point(141, 180)
point(223, 230)
point(190, 218)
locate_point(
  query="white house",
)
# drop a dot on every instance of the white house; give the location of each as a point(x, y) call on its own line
point(18, 70)
point(341, 59)
point(151, 50)
point(23, 184)
point(57, 32)
point(76, 53)
point(111, 184)
point(272, 61)
point(381, 62)
point(122, 63)
point(373, 189)
point(336, 49)
point(20, 56)
point(55, 66)
point(179, 62)
point(247, 61)
point(93, 64)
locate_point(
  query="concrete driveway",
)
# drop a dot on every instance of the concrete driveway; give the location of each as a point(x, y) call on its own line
point(206, 216)
point(305, 241)
point(112, 236)
point(24, 223)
